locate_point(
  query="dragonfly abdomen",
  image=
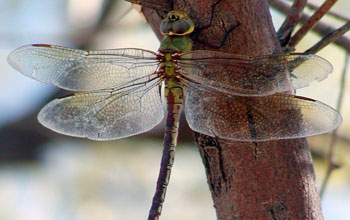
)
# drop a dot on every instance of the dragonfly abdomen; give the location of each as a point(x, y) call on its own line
point(174, 99)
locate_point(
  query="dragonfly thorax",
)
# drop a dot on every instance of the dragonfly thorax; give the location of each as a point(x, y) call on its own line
point(168, 68)
point(175, 44)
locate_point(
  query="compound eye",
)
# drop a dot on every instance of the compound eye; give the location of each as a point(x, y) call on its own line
point(165, 27)
point(180, 27)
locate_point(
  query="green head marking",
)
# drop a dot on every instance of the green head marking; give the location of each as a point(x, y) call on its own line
point(177, 23)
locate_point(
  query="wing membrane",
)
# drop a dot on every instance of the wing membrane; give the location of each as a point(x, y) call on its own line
point(253, 76)
point(240, 118)
point(80, 70)
point(105, 114)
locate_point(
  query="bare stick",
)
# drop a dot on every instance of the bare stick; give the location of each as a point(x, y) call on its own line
point(331, 161)
point(285, 31)
point(321, 28)
point(331, 37)
point(330, 12)
point(309, 24)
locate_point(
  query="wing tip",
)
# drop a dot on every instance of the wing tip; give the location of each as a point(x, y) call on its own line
point(324, 64)
point(16, 58)
point(328, 67)
point(334, 118)
point(323, 68)
point(14, 61)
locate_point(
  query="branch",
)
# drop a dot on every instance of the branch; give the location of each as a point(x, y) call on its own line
point(286, 29)
point(321, 28)
point(153, 20)
point(331, 37)
point(311, 22)
point(265, 180)
point(330, 12)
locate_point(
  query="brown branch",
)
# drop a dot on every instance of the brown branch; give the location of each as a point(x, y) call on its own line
point(332, 164)
point(265, 180)
point(331, 37)
point(154, 20)
point(286, 29)
point(311, 22)
point(321, 28)
point(330, 12)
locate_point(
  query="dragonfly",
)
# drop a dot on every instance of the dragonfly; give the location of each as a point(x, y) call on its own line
point(228, 96)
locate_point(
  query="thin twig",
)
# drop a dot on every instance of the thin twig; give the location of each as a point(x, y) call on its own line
point(330, 12)
point(331, 161)
point(285, 31)
point(331, 37)
point(321, 28)
point(309, 24)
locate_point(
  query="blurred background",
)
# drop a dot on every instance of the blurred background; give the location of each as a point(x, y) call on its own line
point(44, 175)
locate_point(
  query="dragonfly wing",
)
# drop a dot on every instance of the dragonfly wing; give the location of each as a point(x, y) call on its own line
point(80, 70)
point(253, 76)
point(279, 116)
point(105, 114)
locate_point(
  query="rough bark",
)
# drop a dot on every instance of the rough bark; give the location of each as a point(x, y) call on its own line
point(266, 180)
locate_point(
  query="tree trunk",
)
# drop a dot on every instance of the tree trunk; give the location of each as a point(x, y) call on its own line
point(265, 180)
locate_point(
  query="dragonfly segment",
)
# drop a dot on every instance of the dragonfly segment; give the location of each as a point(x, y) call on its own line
point(228, 96)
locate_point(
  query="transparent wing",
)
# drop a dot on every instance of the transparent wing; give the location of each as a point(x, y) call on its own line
point(105, 114)
point(80, 70)
point(240, 118)
point(253, 76)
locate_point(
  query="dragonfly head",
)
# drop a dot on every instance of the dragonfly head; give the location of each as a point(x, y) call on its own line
point(177, 23)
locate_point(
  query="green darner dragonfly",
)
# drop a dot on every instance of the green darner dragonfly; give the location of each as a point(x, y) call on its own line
point(229, 96)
